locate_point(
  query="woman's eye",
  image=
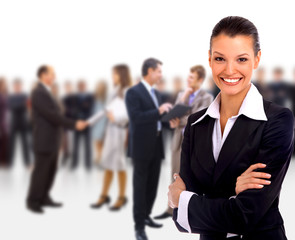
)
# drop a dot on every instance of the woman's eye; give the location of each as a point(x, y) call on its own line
point(242, 59)
point(219, 59)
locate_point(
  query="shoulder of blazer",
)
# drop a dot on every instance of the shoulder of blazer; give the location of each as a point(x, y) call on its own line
point(272, 109)
point(195, 116)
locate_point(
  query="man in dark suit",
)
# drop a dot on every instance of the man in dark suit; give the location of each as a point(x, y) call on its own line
point(145, 146)
point(47, 126)
point(17, 104)
point(83, 110)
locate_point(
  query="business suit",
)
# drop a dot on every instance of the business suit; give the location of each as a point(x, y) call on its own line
point(254, 213)
point(19, 125)
point(47, 128)
point(145, 149)
point(84, 106)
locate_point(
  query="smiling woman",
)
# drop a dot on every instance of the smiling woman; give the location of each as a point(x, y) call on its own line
point(221, 191)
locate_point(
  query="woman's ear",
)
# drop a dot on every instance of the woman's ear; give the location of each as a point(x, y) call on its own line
point(257, 59)
point(209, 57)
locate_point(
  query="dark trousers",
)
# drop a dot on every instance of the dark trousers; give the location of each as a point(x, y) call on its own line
point(146, 174)
point(86, 136)
point(22, 131)
point(42, 177)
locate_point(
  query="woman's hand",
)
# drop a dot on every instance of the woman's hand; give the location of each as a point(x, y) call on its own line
point(251, 179)
point(174, 123)
point(175, 189)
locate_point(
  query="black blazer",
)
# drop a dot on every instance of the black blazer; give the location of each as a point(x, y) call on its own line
point(253, 212)
point(47, 121)
point(143, 117)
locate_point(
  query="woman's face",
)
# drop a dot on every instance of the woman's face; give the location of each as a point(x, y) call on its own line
point(116, 78)
point(232, 61)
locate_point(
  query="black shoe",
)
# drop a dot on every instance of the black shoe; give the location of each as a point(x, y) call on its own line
point(50, 203)
point(35, 208)
point(164, 215)
point(140, 235)
point(105, 200)
point(123, 203)
point(149, 222)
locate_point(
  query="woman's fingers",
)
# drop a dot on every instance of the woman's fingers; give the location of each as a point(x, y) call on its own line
point(253, 167)
point(256, 175)
point(255, 181)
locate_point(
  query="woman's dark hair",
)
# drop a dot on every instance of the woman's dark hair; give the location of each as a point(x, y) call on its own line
point(124, 75)
point(149, 63)
point(233, 26)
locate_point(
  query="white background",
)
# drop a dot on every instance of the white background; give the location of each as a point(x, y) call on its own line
point(85, 39)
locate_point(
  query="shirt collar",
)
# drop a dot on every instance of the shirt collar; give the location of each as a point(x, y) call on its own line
point(252, 107)
point(48, 88)
point(147, 85)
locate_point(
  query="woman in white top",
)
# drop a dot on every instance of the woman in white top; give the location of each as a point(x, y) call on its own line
point(114, 150)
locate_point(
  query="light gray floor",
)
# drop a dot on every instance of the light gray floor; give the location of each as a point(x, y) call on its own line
point(77, 221)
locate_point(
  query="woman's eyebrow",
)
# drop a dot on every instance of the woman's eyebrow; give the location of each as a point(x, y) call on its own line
point(243, 54)
point(218, 53)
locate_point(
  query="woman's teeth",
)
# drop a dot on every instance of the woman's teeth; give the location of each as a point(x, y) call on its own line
point(232, 80)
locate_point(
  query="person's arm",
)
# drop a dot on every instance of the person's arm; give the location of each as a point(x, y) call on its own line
point(39, 103)
point(241, 214)
point(135, 112)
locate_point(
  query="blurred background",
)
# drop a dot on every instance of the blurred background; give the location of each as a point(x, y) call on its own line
point(83, 40)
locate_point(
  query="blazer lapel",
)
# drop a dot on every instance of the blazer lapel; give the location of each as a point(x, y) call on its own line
point(147, 95)
point(235, 140)
point(203, 141)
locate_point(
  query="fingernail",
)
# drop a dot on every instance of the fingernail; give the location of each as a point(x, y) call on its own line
point(261, 186)
point(268, 182)
point(268, 175)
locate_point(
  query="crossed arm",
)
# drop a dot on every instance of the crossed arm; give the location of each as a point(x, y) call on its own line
point(240, 214)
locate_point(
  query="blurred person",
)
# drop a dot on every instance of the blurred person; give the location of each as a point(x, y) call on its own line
point(278, 88)
point(69, 106)
point(114, 149)
point(145, 108)
point(84, 104)
point(98, 130)
point(235, 153)
point(198, 99)
point(18, 107)
point(165, 96)
point(213, 89)
point(176, 88)
point(4, 155)
point(47, 127)
point(260, 83)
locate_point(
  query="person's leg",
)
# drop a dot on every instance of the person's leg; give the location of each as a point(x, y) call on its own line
point(153, 177)
point(140, 179)
point(52, 173)
point(87, 148)
point(25, 146)
point(11, 145)
point(122, 178)
point(39, 179)
point(76, 149)
point(98, 144)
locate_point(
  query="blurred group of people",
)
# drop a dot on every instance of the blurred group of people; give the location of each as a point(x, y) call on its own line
point(119, 130)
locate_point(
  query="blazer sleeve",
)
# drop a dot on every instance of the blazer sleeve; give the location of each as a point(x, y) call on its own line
point(135, 112)
point(241, 214)
point(40, 104)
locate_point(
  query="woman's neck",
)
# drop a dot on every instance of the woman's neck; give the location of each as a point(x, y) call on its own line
point(230, 104)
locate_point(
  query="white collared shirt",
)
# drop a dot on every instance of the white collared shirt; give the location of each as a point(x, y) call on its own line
point(48, 88)
point(252, 107)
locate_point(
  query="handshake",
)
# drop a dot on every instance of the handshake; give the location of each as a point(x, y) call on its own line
point(81, 125)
